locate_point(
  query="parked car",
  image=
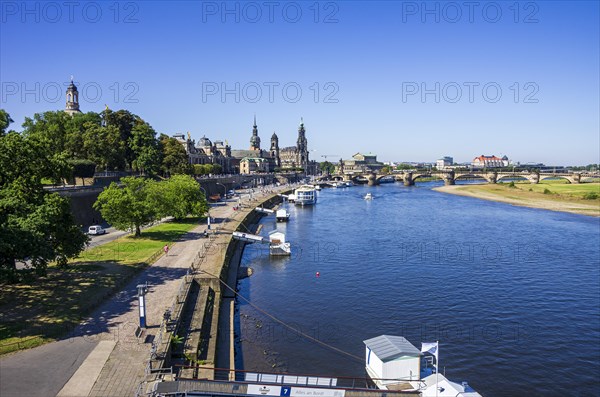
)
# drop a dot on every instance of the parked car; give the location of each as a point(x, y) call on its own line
point(96, 229)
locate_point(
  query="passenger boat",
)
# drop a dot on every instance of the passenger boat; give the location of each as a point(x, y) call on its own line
point(306, 195)
point(282, 215)
point(368, 196)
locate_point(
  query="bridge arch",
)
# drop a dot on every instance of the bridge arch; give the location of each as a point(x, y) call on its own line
point(426, 175)
point(551, 176)
point(486, 178)
point(518, 177)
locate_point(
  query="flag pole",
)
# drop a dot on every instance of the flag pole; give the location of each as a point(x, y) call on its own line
point(437, 367)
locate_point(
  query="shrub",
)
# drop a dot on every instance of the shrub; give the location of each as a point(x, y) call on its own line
point(546, 191)
point(590, 196)
point(512, 184)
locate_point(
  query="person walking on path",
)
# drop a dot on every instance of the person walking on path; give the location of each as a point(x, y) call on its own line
point(166, 249)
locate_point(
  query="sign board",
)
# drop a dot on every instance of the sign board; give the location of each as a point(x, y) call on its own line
point(312, 392)
point(264, 390)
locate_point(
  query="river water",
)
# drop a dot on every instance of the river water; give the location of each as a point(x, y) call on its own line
point(511, 293)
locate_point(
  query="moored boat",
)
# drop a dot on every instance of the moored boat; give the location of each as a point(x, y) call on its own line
point(278, 246)
point(282, 215)
point(306, 195)
point(393, 363)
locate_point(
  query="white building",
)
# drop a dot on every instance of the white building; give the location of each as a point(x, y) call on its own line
point(490, 162)
point(392, 360)
point(444, 162)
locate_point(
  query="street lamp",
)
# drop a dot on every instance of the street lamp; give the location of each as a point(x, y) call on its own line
point(208, 210)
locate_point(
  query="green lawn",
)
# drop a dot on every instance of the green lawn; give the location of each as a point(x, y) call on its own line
point(32, 314)
point(561, 187)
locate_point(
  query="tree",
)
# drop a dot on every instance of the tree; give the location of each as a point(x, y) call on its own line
point(174, 157)
point(217, 169)
point(326, 167)
point(82, 169)
point(127, 207)
point(178, 196)
point(145, 148)
point(35, 226)
point(103, 146)
point(386, 169)
point(5, 120)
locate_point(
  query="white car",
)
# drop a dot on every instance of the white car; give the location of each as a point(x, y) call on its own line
point(96, 229)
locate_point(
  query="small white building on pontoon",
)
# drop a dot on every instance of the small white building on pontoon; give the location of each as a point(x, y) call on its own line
point(392, 360)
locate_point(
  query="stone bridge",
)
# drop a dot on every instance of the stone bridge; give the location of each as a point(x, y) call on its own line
point(450, 177)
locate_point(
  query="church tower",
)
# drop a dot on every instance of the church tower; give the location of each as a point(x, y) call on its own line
point(72, 106)
point(275, 150)
point(254, 140)
point(302, 146)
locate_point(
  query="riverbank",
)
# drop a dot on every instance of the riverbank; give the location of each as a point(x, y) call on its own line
point(549, 196)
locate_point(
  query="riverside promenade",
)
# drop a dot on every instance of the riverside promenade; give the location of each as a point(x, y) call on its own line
point(103, 356)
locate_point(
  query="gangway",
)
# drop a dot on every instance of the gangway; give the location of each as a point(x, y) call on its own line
point(250, 238)
point(263, 210)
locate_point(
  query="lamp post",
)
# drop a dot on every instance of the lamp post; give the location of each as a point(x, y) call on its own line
point(207, 211)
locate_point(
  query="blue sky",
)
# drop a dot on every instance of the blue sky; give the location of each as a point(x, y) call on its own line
point(521, 81)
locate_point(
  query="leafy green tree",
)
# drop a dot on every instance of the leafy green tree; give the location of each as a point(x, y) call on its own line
point(5, 120)
point(145, 148)
point(127, 207)
point(82, 169)
point(216, 169)
point(326, 167)
point(386, 169)
point(174, 157)
point(178, 196)
point(103, 146)
point(35, 226)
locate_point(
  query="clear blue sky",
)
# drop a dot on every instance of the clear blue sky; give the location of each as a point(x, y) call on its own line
point(376, 57)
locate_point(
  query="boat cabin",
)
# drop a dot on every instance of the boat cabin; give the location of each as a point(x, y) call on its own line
point(277, 238)
point(392, 360)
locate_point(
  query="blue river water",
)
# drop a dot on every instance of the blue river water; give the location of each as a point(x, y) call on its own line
point(512, 294)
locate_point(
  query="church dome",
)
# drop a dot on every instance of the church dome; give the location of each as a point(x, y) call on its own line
point(274, 136)
point(204, 141)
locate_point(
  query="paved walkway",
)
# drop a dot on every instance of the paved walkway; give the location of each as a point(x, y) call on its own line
point(122, 369)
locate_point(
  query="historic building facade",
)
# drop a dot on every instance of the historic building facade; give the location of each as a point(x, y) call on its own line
point(207, 152)
point(490, 162)
point(276, 158)
point(359, 164)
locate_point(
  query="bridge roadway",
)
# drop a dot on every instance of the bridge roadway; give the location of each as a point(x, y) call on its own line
point(450, 177)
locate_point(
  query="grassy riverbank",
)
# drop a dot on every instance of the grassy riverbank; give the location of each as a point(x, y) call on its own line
point(583, 198)
point(42, 311)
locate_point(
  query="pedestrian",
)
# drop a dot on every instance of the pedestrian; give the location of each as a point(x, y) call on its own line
point(166, 249)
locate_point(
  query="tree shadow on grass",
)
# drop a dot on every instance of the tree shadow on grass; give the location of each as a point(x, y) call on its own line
point(53, 306)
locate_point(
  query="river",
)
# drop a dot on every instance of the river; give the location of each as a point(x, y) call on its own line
point(511, 293)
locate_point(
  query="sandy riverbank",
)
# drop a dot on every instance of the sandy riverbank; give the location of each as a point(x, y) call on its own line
point(524, 198)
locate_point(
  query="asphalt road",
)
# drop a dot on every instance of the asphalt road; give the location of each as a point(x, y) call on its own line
point(42, 371)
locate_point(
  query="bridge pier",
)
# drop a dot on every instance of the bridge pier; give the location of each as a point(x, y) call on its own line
point(372, 180)
point(408, 179)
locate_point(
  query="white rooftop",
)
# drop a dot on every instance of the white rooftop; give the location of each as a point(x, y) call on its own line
point(388, 347)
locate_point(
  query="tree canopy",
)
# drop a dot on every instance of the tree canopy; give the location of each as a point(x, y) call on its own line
point(36, 226)
point(141, 201)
